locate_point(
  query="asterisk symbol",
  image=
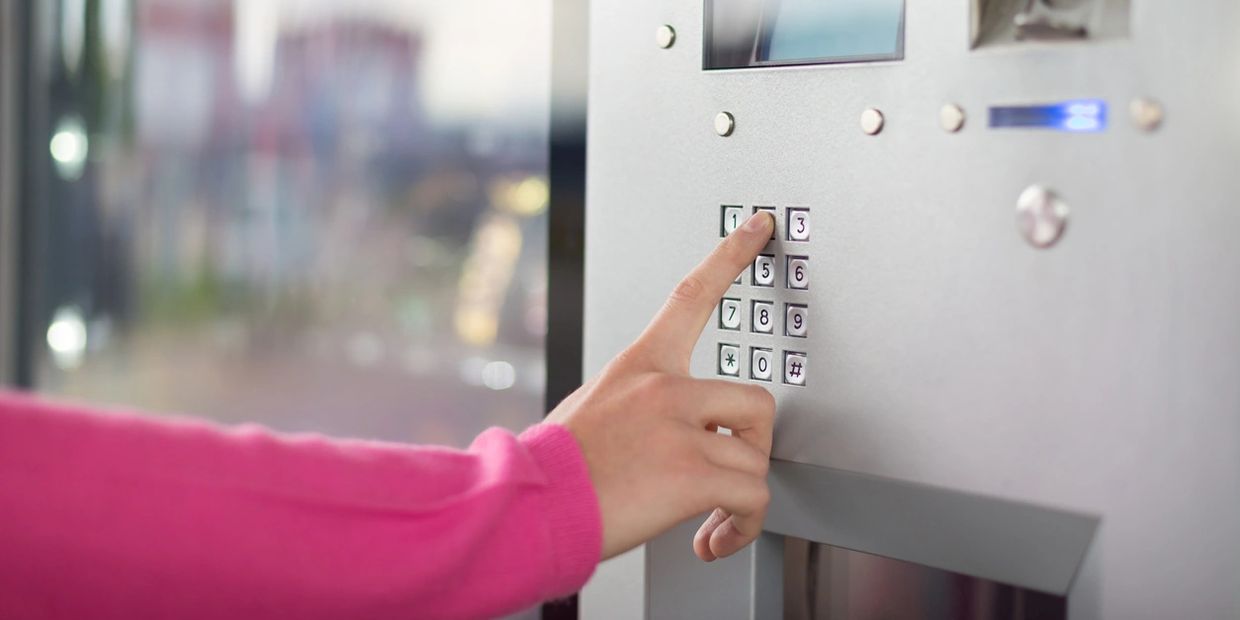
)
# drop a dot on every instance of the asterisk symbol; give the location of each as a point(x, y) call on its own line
point(730, 360)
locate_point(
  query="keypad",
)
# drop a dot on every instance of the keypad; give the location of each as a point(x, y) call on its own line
point(755, 320)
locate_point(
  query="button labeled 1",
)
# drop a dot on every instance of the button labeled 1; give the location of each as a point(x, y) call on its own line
point(798, 224)
point(731, 219)
point(763, 317)
point(764, 270)
point(760, 363)
point(796, 321)
point(798, 272)
point(730, 314)
point(729, 360)
point(794, 368)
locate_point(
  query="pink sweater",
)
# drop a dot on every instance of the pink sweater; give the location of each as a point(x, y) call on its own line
point(119, 516)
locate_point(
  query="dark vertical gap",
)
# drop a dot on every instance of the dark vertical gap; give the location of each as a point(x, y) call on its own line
point(566, 226)
point(29, 166)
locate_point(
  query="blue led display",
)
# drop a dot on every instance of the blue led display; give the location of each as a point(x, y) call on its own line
point(1081, 116)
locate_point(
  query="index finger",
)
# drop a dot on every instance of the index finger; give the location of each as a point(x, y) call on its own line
point(674, 331)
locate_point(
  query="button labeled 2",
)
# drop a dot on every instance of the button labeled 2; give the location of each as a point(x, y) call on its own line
point(763, 317)
point(764, 270)
point(730, 314)
point(796, 321)
point(732, 217)
point(760, 362)
point(798, 224)
point(798, 272)
point(729, 360)
point(770, 210)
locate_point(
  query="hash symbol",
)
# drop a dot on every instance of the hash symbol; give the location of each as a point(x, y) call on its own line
point(796, 369)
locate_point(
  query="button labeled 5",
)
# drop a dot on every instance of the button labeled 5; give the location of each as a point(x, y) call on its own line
point(763, 317)
point(764, 270)
point(730, 314)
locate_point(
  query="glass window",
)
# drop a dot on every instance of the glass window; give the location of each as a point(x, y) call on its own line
point(317, 215)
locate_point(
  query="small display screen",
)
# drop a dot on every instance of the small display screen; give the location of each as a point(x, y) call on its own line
point(1082, 116)
point(761, 33)
point(834, 31)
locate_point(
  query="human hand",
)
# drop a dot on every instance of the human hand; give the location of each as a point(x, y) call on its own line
point(648, 430)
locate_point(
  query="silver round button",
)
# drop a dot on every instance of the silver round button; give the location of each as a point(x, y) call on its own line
point(951, 118)
point(872, 121)
point(665, 36)
point(725, 123)
point(1041, 216)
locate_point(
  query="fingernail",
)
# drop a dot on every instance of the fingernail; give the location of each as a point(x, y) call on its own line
point(760, 221)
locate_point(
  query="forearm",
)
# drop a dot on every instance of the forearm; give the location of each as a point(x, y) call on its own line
point(119, 515)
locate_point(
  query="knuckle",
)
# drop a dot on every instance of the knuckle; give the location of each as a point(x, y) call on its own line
point(689, 290)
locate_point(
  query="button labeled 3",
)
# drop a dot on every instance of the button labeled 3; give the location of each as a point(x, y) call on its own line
point(730, 314)
point(732, 218)
point(794, 368)
point(764, 270)
point(796, 321)
point(760, 363)
point(763, 317)
point(729, 360)
point(798, 272)
point(798, 224)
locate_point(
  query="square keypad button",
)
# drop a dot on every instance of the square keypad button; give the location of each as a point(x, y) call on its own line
point(760, 363)
point(730, 314)
point(798, 272)
point(729, 360)
point(764, 270)
point(775, 217)
point(798, 224)
point(796, 320)
point(763, 317)
point(732, 216)
point(794, 368)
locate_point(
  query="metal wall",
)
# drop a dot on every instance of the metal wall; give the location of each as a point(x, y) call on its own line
point(1090, 387)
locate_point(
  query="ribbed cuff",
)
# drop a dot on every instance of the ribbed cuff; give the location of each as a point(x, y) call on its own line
point(570, 504)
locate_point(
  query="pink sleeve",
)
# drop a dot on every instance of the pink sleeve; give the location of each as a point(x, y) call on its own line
point(120, 516)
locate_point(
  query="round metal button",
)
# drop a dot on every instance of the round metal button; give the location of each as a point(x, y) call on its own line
point(665, 36)
point(1041, 216)
point(951, 118)
point(725, 123)
point(872, 121)
point(1147, 114)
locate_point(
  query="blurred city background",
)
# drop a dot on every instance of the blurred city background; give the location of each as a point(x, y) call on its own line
point(318, 215)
